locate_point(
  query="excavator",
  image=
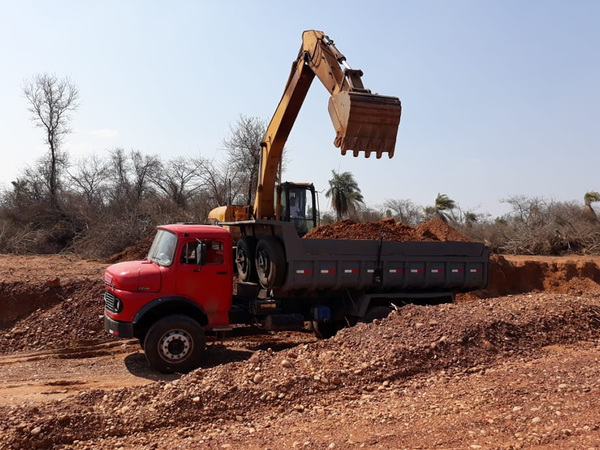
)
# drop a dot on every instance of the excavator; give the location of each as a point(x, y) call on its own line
point(363, 122)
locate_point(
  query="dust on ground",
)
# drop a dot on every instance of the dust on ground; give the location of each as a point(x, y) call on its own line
point(511, 366)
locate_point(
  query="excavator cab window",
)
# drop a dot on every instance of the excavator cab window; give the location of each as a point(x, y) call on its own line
point(298, 206)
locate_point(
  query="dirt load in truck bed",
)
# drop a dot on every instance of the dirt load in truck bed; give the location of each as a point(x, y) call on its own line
point(514, 366)
point(388, 230)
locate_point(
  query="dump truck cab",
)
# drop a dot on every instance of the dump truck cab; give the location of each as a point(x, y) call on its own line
point(188, 269)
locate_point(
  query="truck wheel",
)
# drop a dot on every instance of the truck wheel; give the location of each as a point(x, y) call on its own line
point(270, 262)
point(175, 344)
point(324, 330)
point(377, 312)
point(244, 258)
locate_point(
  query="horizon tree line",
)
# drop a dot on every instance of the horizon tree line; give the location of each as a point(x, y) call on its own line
point(99, 205)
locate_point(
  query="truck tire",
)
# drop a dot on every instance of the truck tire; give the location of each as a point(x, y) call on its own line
point(324, 330)
point(377, 312)
point(270, 262)
point(244, 258)
point(175, 344)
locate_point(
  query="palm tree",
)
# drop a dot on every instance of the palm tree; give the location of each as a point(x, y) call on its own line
point(470, 218)
point(588, 198)
point(444, 206)
point(344, 193)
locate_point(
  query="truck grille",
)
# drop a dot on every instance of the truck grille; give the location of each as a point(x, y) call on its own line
point(112, 303)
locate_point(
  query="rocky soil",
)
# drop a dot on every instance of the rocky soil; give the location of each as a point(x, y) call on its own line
point(513, 366)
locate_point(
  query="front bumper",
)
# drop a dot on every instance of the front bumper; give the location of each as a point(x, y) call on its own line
point(116, 328)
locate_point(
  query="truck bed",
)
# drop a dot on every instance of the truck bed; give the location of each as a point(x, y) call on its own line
point(411, 266)
point(332, 264)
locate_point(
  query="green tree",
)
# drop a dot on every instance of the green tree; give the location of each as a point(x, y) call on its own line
point(588, 199)
point(444, 206)
point(470, 218)
point(344, 193)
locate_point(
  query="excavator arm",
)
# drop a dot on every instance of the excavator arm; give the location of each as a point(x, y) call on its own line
point(364, 122)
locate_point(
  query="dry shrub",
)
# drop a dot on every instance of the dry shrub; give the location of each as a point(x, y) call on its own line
point(537, 227)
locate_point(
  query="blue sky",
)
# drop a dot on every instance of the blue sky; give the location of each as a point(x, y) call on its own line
point(499, 98)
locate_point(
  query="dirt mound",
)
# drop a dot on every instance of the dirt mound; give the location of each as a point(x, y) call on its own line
point(370, 377)
point(438, 230)
point(510, 275)
point(73, 316)
point(388, 230)
point(50, 302)
point(132, 253)
point(211, 407)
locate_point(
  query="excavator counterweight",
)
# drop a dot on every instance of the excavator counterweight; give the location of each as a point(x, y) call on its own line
point(365, 122)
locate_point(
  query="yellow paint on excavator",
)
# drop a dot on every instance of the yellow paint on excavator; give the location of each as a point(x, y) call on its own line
point(365, 122)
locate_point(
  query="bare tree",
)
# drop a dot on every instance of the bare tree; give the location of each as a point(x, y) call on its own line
point(145, 169)
point(89, 179)
point(527, 209)
point(179, 179)
point(221, 186)
point(132, 177)
point(405, 211)
point(51, 103)
point(243, 148)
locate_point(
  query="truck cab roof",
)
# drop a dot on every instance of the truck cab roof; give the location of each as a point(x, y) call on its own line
point(183, 229)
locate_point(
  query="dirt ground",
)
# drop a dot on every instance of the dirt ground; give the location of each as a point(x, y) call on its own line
point(513, 366)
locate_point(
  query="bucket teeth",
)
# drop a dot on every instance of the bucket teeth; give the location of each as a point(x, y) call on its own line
point(365, 122)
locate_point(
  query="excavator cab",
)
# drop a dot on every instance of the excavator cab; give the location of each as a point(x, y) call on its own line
point(298, 206)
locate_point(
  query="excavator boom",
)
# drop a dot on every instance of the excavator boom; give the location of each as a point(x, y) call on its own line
point(363, 122)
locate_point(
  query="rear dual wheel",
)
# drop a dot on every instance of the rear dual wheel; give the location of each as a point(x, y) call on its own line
point(244, 259)
point(377, 312)
point(270, 262)
point(325, 330)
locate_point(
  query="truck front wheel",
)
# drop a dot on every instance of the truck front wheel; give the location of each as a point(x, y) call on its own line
point(175, 344)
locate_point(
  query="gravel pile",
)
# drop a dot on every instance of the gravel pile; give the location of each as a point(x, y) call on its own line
point(444, 341)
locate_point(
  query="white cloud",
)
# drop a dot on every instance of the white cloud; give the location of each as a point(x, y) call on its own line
point(105, 133)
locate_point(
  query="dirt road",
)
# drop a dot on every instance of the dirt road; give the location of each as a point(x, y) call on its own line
point(503, 371)
point(47, 375)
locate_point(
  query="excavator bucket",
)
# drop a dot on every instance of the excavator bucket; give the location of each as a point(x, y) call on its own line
point(365, 122)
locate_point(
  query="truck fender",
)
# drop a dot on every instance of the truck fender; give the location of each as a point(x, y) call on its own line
point(164, 306)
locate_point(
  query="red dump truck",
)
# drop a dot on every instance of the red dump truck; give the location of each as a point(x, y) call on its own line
point(185, 287)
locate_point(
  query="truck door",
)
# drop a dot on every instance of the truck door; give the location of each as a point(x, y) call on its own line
point(210, 284)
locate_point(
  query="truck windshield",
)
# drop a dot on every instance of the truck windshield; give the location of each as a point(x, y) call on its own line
point(162, 250)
